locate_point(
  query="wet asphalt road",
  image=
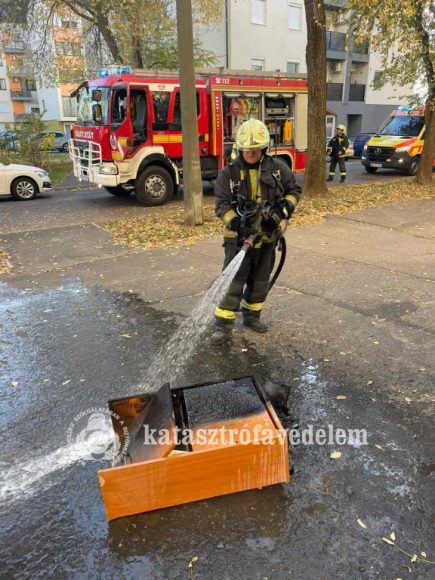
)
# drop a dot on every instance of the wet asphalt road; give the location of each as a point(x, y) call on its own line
point(351, 315)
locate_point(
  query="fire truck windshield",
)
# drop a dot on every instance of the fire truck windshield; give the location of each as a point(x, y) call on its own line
point(403, 126)
point(93, 106)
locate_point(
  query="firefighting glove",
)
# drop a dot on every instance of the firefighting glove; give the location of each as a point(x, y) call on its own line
point(286, 209)
point(270, 222)
point(234, 224)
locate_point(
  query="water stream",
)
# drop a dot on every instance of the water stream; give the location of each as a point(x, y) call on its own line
point(22, 479)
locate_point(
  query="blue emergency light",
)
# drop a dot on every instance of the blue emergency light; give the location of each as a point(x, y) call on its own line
point(116, 70)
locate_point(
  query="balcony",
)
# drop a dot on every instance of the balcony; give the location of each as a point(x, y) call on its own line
point(19, 71)
point(21, 95)
point(357, 92)
point(360, 52)
point(17, 47)
point(335, 45)
point(334, 91)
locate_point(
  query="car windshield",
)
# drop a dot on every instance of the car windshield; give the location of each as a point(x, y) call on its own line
point(93, 106)
point(403, 126)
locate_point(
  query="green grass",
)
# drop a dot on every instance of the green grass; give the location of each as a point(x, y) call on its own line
point(58, 171)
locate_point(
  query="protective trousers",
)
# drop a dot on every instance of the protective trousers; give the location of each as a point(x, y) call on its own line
point(341, 165)
point(250, 285)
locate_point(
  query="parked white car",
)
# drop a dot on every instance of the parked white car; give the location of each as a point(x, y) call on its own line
point(23, 181)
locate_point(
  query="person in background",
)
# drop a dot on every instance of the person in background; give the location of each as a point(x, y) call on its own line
point(336, 149)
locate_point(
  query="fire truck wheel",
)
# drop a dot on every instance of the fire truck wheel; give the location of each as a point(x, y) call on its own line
point(119, 191)
point(154, 186)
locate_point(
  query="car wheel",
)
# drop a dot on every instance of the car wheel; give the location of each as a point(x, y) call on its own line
point(24, 188)
point(413, 166)
point(371, 169)
point(118, 191)
point(65, 148)
point(154, 186)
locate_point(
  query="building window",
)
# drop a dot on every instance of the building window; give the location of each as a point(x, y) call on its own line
point(294, 16)
point(258, 12)
point(292, 67)
point(257, 63)
point(2, 84)
point(68, 48)
point(378, 76)
point(35, 110)
point(330, 126)
point(69, 24)
point(69, 106)
point(31, 85)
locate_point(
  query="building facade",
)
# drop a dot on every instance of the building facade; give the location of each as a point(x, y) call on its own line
point(18, 94)
point(271, 35)
point(21, 94)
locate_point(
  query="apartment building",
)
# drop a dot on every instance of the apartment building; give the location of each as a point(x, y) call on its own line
point(18, 95)
point(67, 54)
point(271, 35)
point(21, 94)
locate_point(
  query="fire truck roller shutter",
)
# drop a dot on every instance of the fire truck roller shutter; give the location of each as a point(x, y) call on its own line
point(301, 121)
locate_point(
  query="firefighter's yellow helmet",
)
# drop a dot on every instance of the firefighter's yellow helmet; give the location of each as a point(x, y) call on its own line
point(252, 134)
point(342, 128)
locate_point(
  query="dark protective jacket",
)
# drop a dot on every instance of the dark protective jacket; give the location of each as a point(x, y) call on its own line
point(267, 188)
point(338, 146)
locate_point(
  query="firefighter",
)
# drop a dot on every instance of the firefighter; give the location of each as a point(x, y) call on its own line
point(263, 188)
point(336, 149)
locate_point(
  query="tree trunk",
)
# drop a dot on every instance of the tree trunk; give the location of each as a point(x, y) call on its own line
point(102, 24)
point(314, 180)
point(192, 181)
point(424, 174)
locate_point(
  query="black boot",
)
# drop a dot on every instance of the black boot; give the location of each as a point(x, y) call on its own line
point(342, 179)
point(254, 323)
point(220, 335)
point(330, 178)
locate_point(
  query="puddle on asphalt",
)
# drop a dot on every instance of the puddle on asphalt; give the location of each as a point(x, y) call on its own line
point(69, 349)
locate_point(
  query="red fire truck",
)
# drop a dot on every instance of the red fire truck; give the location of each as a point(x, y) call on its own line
point(128, 133)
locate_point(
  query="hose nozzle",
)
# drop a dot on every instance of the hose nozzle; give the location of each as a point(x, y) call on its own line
point(250, 242)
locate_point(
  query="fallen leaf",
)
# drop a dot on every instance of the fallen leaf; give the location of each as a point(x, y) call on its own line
point(244, 350)
point(361, 523)
point(335, 455)
point(341, 397)
point(393, 536)
point(423, 554)
point(408, 400)
point(388, 541)
point(378, 446)
point(66, 382)
point(125, 335)
point(375, 342)
point(14, 383)
point(369, 383)
point(192, 561)
point(414, 558)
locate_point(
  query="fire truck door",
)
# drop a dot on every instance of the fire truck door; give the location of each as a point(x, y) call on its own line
point(139, 99)
point(121, 129)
